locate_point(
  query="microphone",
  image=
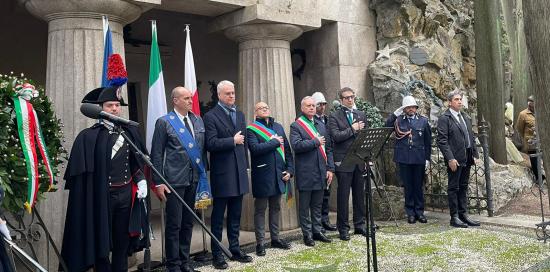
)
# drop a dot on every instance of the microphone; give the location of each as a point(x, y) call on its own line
point(336, 104)
point(95, 112)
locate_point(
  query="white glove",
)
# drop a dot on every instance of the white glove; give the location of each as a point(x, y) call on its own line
point(4, 230)
point(427, 165)
point(398, 111)
point(142, 189)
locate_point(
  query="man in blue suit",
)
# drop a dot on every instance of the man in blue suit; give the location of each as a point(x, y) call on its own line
point(314, 169)
point(228, 170)
point(412, 154)
point(272, 167)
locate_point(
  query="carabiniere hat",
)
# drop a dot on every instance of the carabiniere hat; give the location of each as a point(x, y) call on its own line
point(104, 94)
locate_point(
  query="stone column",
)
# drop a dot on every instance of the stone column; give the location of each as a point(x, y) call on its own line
point(74, 67)
point(265, 74)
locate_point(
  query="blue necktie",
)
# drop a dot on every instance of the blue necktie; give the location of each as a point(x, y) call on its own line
point(233, 116)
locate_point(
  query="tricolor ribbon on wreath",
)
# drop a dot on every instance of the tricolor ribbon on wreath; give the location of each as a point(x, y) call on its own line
point(30, 135)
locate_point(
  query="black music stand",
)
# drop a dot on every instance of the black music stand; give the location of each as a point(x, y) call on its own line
point(364, 149)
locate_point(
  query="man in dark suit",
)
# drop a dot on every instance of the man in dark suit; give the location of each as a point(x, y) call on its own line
point(176, 134)
point(455, 139)
point(228, 170)
point(412, 153)
point(320, 107)
point(343, 125)
point(314, 169)
point(272, 167)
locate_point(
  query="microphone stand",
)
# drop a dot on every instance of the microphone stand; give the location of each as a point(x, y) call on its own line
point(148, 162)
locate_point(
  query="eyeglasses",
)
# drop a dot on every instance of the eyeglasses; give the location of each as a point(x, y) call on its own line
point(351, 97)
point(262, 108)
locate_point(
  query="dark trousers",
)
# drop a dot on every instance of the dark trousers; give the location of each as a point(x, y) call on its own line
point(260, 205)
point(121, 205)
point(355, 182)
point(309, 211)
point(412, 177)
point(457, 189)
point(179, 227)
point(325, 207)
point(234, 206)
point(534, 166)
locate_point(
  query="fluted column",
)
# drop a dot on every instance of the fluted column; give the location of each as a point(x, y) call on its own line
point(265, 74)
point(74, 67)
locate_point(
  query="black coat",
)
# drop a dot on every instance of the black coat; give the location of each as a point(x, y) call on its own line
point(266, 163)
point(343, 135)
point(170, 157)
point(87, 234)
point(450, 138)
point(419, 149)
point(228, 162)
point(310, 165)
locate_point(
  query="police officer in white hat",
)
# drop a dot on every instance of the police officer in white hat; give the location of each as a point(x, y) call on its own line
point(412, 154)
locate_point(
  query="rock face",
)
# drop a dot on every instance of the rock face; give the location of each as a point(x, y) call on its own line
point(429, 40)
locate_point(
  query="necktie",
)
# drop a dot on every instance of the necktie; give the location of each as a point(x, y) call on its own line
point(188, 126)
point(233, 117)
point(465, 129)
point(350, 117)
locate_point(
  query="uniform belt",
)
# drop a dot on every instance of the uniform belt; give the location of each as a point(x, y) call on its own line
point(118, 185)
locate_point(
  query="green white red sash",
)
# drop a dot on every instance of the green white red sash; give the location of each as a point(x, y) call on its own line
point(31, 137)
point(266, 134)
point(310, 129)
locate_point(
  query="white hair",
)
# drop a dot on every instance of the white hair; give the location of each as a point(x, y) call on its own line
point(224, 83)
point(306, 98)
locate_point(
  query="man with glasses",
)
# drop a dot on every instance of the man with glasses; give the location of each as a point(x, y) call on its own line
point(272, 167)
point(343, 126)
point(320, 107)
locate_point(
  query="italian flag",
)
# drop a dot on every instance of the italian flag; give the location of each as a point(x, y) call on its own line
point(156, 106)
point(190, 79)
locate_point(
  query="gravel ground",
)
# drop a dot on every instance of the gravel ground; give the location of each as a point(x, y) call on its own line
point(419, 247)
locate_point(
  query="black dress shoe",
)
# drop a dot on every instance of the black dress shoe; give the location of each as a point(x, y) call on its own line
point(219, 263)
point(344, 236)
point(280, 244)
point(328, 226)
point(464, 218)
point(309, 242)
point(361, 231)
point(260, 250)
point(241, 257)
point(422, 219)
point(187, 268)
point(411, 219)
point(457, 223)
point(321, 237)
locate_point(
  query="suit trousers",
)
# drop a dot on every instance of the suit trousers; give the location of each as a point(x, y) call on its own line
point(234, 207)
point(457, 189)
point(325, 208)
point(412, 177)
point(120, 208)
point(309, 211)
point(355, 182)
point(260, 205)
point(179, 227)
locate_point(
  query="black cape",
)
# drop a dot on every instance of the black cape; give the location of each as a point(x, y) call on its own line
point(87, 236)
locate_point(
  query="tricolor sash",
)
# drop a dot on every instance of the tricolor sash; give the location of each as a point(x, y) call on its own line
point(203, 196)
point(310, 129)
point(266, 134)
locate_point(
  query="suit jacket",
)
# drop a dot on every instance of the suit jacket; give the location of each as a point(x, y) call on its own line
point(266, 163)
point(343, 135)
point(228, 162)
point(450, 138)
point(417, 150)
point(310, 165)
point(170, 157)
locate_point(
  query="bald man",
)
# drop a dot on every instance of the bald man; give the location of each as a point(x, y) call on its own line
point(175, 133)
point(272, 166)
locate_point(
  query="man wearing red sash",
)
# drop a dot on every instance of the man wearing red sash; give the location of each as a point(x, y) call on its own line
point(314, 169)
point(272, 167)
